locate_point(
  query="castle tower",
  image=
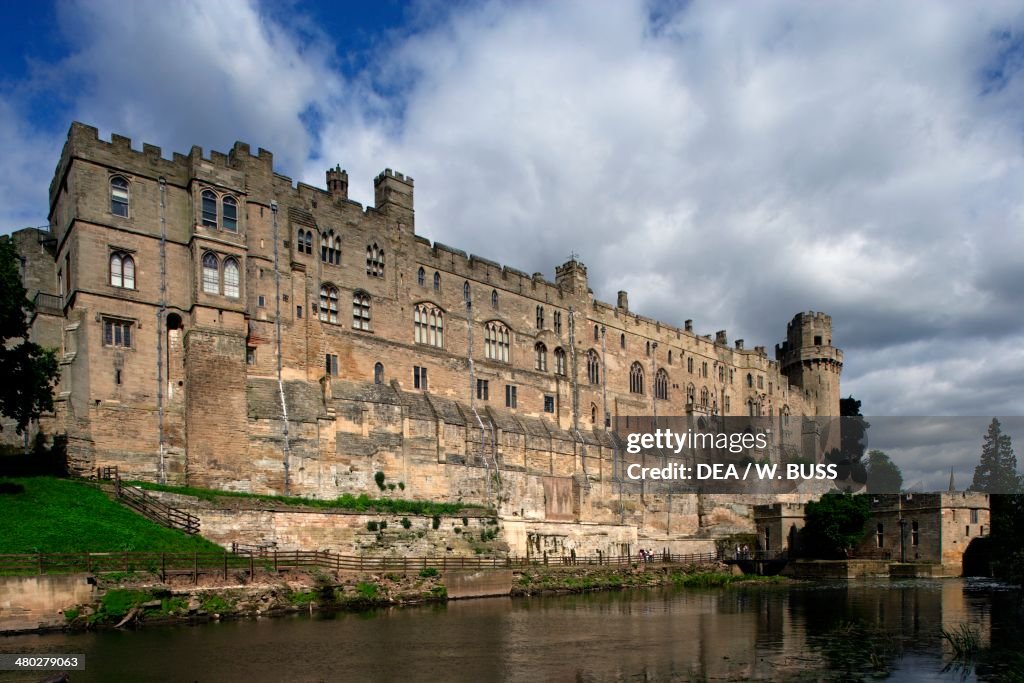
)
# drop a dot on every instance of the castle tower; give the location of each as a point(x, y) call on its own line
point(337, 182)
point(809, 360)
point(571, 277)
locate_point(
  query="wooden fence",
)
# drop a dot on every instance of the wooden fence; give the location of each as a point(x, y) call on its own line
point(196, 564)
point(149, 505)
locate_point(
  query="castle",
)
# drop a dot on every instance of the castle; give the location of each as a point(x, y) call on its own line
point(220, 326)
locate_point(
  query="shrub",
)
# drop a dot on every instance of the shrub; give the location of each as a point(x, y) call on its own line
point(391, 487)
point(71, 614)
point(383, 525)
point(371, 525)
point(465, 521)
point(406, 523)
point(458, 530)
point(379, 478)
point(401, 485)
point(428, 572)
point(436, 522)
point(367, 590)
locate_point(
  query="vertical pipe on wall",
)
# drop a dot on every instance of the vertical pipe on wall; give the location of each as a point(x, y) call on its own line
point(277, 334)
point(161, 315)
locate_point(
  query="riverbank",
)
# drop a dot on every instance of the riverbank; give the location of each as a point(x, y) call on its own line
point(132, 600)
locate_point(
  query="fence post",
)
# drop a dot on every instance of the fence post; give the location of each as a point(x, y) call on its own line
point(225, 565)
point(195, 567)
point(40, 563)
point(163, 567)
point(126, 562)
point(275, 560)
point(252, 569)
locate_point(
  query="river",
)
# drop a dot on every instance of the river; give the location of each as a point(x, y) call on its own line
point(813, 631)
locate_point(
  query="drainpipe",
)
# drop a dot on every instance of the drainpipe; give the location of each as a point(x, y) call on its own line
point(280, 382)
point(161, 315)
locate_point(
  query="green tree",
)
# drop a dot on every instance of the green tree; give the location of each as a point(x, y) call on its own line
point(884, 475)
point(27, 369)
point(834, 524)
point(997, 470)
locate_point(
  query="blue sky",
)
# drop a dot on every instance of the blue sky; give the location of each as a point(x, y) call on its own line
point(729, 162)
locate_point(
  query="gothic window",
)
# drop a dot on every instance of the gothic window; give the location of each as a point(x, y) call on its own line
point(622, 341)
point(593, 367)
point(494, 298)
point(122, 270)
point(689, 365)
point(330, 248)
point(231, 278)
point(560, 361)
point(304, 241)
point(540, 317)
point(466, 293)
point(704, 369)
point(670, 356)
point(229, 214)
point(308, 243)
point(750, 381)
point(661, 385)
point(209, 202)
point(211, 274)
point(378, 373)
point(421, 277)
point(636, 378)
point(437, 281)
point(119, 196)
point(597, 333)
point(374, 261)
point(328, 304)
point(541, 357)
point(704, 397)
point(557, 320)
point(497, 342)
point(648, 348)
point(760, 381)
point(360, 311)
point(428, 325)
point(593, 413)
point(721, 373)
point(691, 394)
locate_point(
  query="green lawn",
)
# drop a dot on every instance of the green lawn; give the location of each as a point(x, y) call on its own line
point(63, 515)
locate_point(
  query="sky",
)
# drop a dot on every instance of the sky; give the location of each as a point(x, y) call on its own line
point(733, 163)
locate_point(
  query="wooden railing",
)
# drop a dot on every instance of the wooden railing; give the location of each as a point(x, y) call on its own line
point(196, 563)
point(155, 509)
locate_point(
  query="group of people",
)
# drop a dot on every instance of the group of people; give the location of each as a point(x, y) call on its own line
point(646, 555)
point(742, 552)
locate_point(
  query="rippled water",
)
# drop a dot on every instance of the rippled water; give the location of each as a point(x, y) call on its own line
point(870, 631)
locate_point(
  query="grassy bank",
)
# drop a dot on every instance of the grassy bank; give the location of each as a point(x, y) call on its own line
point(541, 581)
point(64, 516)
point(360, 503)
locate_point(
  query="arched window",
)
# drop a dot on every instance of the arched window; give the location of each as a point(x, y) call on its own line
point(593, 413)
point(300, 241)
point(648, 348)
point(378, 373)
point(497, 342)
point(437, 281)
point(540, 317)
point(304, 241)
point(670, 356)
point(428, 325)
point(661, 385)
point(704, 397)
point(231, 278)
point(593, 367)
point(540, 353)
point(209, 209)
point(704, 369)
point(374, 261)
point(597, 333)
point(622, 340)
point(119, 196)
point(559, 361)
point(466, 295)
point(360, 311)
point(122, 270)
point(330, 248)
point(689, 365)
point(328, 304)
point(750, 381)
point(636, 378)
point(211, 274)
point(691, 394)
point(309, 242)
point(750, 407)
point(494, 298)
point(229, 214)
point(421, 277)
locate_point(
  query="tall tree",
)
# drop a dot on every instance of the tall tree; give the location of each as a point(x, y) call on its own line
point(997, 470)
point(834, 524)
point(28, 370)
point(884, 475)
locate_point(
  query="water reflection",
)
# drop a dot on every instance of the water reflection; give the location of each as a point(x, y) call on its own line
point(809, 632)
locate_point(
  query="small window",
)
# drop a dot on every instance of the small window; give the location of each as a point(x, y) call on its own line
point(308, 242)
point(689, 365)
point(466, 296)
point(622, 341)
point(209, 209)
point(261, 301)
point(119, 196)
point(510, 395)
point(117, 333)
point(497, 342)
point(117, 377)
point(593, 413)
point(549, 404)
point(817, 340)
point(880, 535)
point(540, 317)
point(540, 357)
point(231, 278)
point(974, 515)
point(328, 304)
point(330, 248)
point(760, 381)
point(378, 373)
point(437, 281)
point(750, 381)
point(419, 378)
point(661, 385)
point(331, 364)
point(597, 333)
point(636, 378)
point(483, 390)
point(915, 534)
point(211, 274)
point(494, 298)
point(122, 270)
point(421, 277)
point(704, 369)
point(648, 348)
point(557, 320)
point(250, 355)
point(298, 312)
point(670, 356)
point(374, 261)
point(229, 208)
point(361, 311)
point(593, 367)
point(560, 361)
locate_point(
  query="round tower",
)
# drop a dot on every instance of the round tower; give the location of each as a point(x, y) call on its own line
point(809, 361)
